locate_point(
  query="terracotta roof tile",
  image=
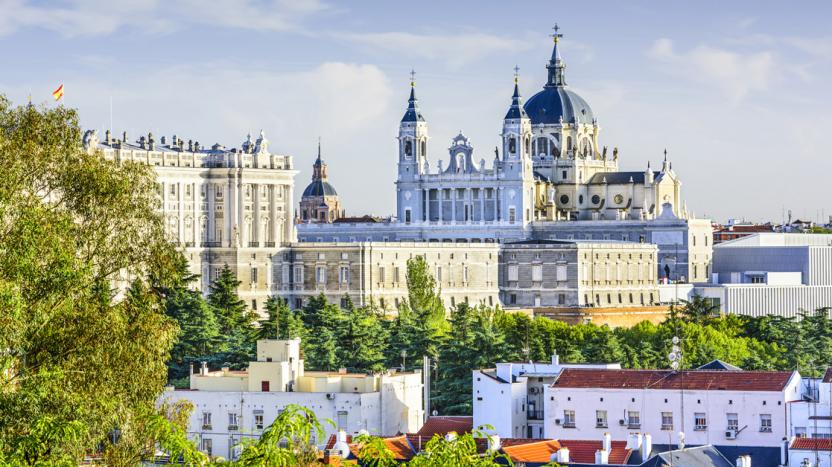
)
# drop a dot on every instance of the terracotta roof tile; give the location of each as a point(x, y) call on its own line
point(583, 452)
point(540, 451)
point(820, 444)
point(666, 379)
point(443, 425)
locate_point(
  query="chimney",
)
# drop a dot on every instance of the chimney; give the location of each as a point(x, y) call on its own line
point(124, 136)
point(634, 441)
point(555, 359)
point(602, 457)
point(108, 137)
point(203, 370)
point(646, 446)
point(191, 366)
point(607, 445)
point(784, 446)
point(562, 456)
point(493, 443)
point(744, 461)
point(681, 440)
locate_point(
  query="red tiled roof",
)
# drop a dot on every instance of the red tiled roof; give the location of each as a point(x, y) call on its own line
point(443, 425)
point(398, 445)
point(540, 451)
point(812, 444)
point(583, 452)
point(666, 379)
point(827, 377)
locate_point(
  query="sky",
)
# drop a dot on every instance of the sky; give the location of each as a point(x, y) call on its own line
point(737, 92)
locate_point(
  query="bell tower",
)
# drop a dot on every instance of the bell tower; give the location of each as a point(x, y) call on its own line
point(413, 160)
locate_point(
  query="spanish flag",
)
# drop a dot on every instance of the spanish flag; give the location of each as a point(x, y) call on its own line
point(58, 93)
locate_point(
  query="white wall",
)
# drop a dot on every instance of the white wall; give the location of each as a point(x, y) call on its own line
point(651, 403)
point(492, 404)
point(816, 458)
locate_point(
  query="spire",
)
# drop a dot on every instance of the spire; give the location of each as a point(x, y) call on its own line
point(516, 110)
point(412, 114)
point(318, 160)
point(556, 66)
point(319, 168)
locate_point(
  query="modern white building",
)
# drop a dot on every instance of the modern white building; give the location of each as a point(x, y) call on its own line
point(232, 405)
point(771, 273)
point(696, 407)
point(510, 397)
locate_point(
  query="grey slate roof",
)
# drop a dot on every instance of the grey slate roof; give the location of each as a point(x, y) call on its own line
point(554, 102)
point(412, 114)
point(516, 111)
point(719, 365)
point(319, 188)
point(619, 178)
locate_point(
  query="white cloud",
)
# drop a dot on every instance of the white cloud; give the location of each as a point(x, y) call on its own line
point(455, 50)
point(101, 17)
point(735, 75)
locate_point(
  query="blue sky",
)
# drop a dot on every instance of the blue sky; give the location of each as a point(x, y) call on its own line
point(736, 91)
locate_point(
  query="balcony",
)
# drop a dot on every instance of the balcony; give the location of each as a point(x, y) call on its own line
point(268, 244)
point(534, 414)
point(233, 427)
point(254, 244)
point(211, 244)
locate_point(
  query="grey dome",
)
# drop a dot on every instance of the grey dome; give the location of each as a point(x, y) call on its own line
point(320, 188)
point(554, 102)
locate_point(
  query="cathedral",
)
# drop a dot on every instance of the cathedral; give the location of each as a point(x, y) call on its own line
point(549, 179)
point(320, 201)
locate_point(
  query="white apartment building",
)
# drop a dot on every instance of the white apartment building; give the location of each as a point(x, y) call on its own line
point(230, 406)
point(510, 397)
point(717, 407)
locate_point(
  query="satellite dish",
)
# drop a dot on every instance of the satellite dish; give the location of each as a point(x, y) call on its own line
point(673, 357)
point(675, 348)
point(675, 340)
point(674, 365)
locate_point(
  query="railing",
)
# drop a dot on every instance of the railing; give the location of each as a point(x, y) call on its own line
point(211, 244)
point(268, 244)
point(253, 244)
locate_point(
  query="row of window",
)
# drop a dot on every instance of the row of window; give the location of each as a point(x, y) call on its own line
point(633, 421)
point(257, 416)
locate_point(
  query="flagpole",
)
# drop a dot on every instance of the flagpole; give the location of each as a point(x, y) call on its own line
point(111, 113)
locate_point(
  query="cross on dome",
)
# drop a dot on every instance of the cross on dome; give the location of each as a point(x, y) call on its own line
point(556, 36)
point(412, 77)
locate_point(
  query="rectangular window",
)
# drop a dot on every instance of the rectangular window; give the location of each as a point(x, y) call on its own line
point(733, 421)
point(561, 273)
point(512, 299)
point(258, 419)
point(407, 216)
point(344, 275)
point(511, 215)
point(600, 419)
point(320, 274)
point(254, 275)
point(537, 273)
point(342, 420)
point(561, 299)
point(206, 420)
point(667, 421)
point(569, 419)
point(232, 422)
point(381, 274)
point(438, 274)
point(765, 422)
point(285, 274)
point(465, 274)
point(700, 422)
point(396, 274)
point(207, 446)
point(512, 273)
point(633, 419)
point(298, 274)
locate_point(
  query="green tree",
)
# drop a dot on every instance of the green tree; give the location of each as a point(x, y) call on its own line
point(281, 322)
point(699, 310)
point(235, 321)
point(78, 356)
point(323, 322)
point(474, 341)
point(287, 442)
point(363, 340)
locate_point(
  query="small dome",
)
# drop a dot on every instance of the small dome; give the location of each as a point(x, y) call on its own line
point(319, 188)
point(554, 102)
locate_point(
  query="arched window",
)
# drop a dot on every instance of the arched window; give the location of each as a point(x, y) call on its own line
point(408, 148)
point(568, 143)
point(512, 145)
point(423, 150)
point(528, 145)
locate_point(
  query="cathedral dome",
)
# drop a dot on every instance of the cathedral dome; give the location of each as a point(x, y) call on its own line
point(556, 102)
point(320, 188)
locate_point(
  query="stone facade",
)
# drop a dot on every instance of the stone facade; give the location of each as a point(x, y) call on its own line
point(320, 202)
point(223, 206)
point(559, 273)
point(376, 272)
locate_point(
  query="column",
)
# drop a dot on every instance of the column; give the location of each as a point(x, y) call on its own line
point(453, 205)
point(441, 194)
point(230, 212)
point(273, 213)
point(180, 227)
point(210, 196)
point(255, 221)
point(196, 208)
point(482, 204)
point(242, 230)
